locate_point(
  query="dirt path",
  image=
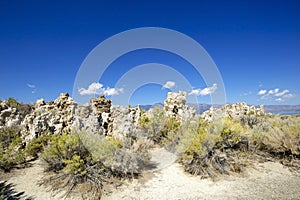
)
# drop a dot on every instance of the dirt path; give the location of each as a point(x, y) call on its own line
point(268, 181)
point(27, 181)
point(167, 180)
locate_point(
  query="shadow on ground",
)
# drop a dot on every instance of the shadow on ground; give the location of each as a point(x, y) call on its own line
point(8, 192)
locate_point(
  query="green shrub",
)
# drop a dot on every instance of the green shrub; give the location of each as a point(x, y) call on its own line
point(161, 129)
point(73, 165)
point(37, 145)
point(62, 148)
point(192, 136)
point(144, 120)
point(12, 102)
point(23, 109)
point(278, 135)
point(11, 148)
point(101, 148)
point(156, 124)
point(210, 148)
point(87, 159)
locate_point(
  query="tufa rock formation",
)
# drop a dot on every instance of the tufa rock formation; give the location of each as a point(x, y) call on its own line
point(57, 116)
point(101, 107)
point(175, 106)
point(64, 115)
point(9, 116)
point(237, 111)
point(126, 120)
point(101, 117)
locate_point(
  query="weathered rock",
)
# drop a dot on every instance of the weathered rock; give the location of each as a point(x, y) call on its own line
point(101, 107)
point(39, 103)
point(57, 117)
point(86, 119)
point(175, 106)
point(9, 116)
point(235, 111)
point(125, 121)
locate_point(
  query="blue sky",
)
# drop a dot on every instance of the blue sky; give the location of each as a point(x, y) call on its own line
point(255, 45)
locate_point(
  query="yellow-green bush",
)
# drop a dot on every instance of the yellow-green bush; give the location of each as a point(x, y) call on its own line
point(226, 145)
point(61, 149)
point(144, 119)
point(156, 124)
point(100, 147)
point(279, 135)
point(229, 130)
point(192, 136)
point(161, 129)
point(37, 145)
point(23, 109)
point(12, 102)
point(74, 165)
point(210, 148)
point(87, 158)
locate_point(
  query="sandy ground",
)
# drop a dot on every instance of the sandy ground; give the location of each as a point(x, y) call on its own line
point(27, 181)
point(264, 181)
point(168, 181)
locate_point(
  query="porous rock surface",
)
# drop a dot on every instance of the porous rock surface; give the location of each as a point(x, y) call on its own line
point(100, 116)
point(65, 115)
point(57, 116)
point(9, 116)
point(235, 111)
point(175, 106)
point(126, 120)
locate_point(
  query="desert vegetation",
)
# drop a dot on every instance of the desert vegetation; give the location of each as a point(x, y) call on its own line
point(227, 145)
point(12, 152)
point(86, 161)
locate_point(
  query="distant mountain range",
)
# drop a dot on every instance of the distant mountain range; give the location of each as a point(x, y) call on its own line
point(275, 109)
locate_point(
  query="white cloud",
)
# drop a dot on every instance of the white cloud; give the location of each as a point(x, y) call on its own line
point(273, 91)
point(205, 91)
point(262, 92)
point(275, 94)
point(246, 94)
point(30, 86)
point(169, 85)
point(287, 96)
point(113, 91)
point(97, 88)
point(94, 88)
point(279, 94)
